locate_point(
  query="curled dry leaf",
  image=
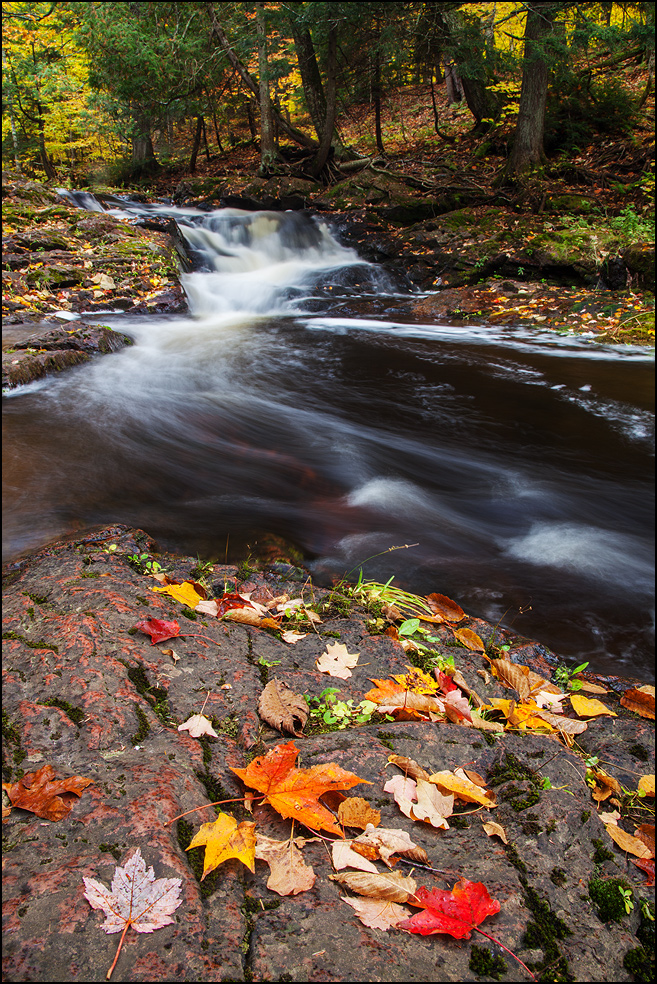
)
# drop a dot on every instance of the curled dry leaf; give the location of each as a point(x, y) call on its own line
point(496, 830)
point(445, 608)
point(470, 640)
point(292, 637)
point(249, 616)
point(198, 725)
point(463, 789)
point(284, 710)
point(344, 856)
point(392, 885)
point(42, 794)
point(408, 766)
point(188, 593)
point(386, 841)
point(641, 700)
point(289, 872)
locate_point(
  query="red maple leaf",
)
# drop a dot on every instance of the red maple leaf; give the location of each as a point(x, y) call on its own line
point(456, 912)
point(159, 630)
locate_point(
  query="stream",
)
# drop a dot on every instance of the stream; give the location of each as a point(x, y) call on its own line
point(302, 398)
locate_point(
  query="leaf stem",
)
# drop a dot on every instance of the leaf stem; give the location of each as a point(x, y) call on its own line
point(238, 799)
point(125, 930)
point(510, 952)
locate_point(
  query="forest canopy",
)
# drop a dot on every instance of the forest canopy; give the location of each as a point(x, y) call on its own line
point(110, 92)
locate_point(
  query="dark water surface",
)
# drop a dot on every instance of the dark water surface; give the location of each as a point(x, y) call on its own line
point(302, 399)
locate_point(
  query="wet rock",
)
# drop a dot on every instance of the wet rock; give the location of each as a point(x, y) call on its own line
point(86, 693)
point(43, 353)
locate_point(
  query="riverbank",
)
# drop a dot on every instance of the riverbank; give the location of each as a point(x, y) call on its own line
point(490, 263)
point(86, 692)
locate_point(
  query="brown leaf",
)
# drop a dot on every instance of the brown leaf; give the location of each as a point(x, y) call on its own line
point(289, 872)
point(284, 710)
point(377, 913)
point(470, 640)
point(520, 678)
point(344, 856)
point(496, 830)
point(248, 616)
point(408, 766)
point(198, 725)
point(641, 700)
point(357, 812)
point(445, 608)
point(646, 834)
point(627, 842)
point(388, 841)
point(392, 886)
point(42, 794)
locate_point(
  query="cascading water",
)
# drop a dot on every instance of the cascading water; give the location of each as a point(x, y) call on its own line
point(302, 398)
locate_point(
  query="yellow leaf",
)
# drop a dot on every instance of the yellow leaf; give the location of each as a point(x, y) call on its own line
point(185, 593)
point(463, 789)
point(223, 840)
point(628, 843)
point(647, 785)
point(470, 640)
point(588, 707)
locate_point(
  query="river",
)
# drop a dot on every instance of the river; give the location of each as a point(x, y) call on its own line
point(301, 397)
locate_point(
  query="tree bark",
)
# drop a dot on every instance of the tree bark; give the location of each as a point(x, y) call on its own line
point(268, 151)
point(527, 152)
point(196, 144)
point(250, 83)
point(331, 94)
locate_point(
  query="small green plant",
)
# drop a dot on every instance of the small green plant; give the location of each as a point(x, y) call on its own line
point(268, 663)
point(113, 547)
point(563, 676)
point(626, 894)
point(144, 563)
point(339, 714)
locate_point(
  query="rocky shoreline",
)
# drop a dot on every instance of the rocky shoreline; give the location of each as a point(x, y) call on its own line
point(86, 692)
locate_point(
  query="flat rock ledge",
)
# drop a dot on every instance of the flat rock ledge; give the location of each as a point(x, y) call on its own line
point(51, 349)
point(86, 693)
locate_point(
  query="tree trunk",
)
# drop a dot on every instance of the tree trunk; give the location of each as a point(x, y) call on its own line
point(268, 151)
point(310, 76)
point(527, 151)
point(376, 96)
point(453, 84)
point(250, 82)
point(196, 144)
point(331, 94)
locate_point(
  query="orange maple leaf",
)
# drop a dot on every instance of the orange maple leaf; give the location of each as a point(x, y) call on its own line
point(295, 792)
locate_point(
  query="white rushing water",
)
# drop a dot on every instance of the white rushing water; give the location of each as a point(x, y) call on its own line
point(301, 398)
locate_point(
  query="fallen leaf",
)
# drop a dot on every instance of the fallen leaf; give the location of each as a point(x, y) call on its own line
point(391, 886)
point(589, 707)
point(647, 865)
point(627, 842)
point(198, 725)
point(186, 593)
point(408, 766)
point(444, 607)
point(421, 801)
point(136, 899)
point(289, 872)
point(284, 710)
point(386, 841)
point(457, 707)
point(605, 785)
point(456, 912)
point(357, 812)
point(647, 786)
point(377, 913)
point(295, 792)
point(42, 794)
point(344, 856)
point(646, 834)
point(521, 678)
point(496, 830)
point(292, 637)
point(641, 700)
point(159, 630)
point(229, 601)
point(336, 661)
point(470, 640)
point(224, 839)
point(249, 616)
point(463, 789)
point(172, 653)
